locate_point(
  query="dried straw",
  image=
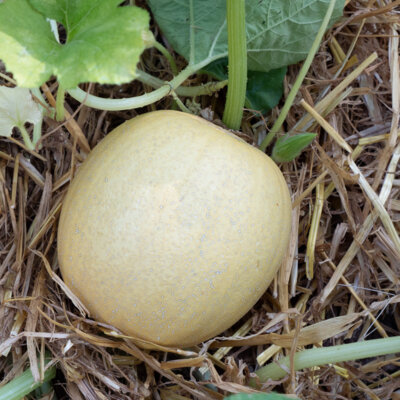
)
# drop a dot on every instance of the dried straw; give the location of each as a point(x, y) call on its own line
point(338, 283)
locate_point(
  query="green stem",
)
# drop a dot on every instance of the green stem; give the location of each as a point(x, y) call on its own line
point(26, 137)
point(37, 128)
point(327, 355)
point(179, 103)
point(303, 72)
point(139, 101)
point(24, 384)
point(184, 91)
point(167, 55)
point(43, 105)
point(37, 131)
point(38, 94)
point(237, 63)
point(60, 103)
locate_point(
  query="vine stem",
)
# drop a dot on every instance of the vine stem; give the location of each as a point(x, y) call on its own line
point(237, 63)
point(138, 101)
point(60, 103)
point(26, 137)
point(37, 131)
point(180, 103)
point(327, 355)
point(185, 91)
point(37, 128)
point(302, 74)
point(167, 55)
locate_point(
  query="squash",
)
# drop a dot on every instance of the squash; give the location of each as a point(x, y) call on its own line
point(173, 228)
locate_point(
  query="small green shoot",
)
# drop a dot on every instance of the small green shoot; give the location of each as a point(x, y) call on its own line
point(327, 355)
point(17, 108)
point(24, 384)
point(287, 148)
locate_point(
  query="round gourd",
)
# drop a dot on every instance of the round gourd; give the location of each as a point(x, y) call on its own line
point(173, 228)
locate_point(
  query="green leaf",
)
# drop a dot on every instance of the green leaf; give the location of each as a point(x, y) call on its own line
point(287, 148)
point(259, 396)
point(104, 41)
point(16, 108)
point(26, 41)
point(279, 33)
point(264, 89)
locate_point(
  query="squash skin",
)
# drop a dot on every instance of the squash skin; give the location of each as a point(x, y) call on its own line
point(173, 228)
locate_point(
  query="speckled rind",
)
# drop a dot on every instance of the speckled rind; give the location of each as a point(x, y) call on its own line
point(173, 228)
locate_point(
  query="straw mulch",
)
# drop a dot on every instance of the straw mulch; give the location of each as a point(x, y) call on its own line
point(341, 276)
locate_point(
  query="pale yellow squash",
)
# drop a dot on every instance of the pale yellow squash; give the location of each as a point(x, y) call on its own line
point(173, 228)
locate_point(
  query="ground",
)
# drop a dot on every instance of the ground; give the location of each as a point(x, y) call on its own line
point(338, 284)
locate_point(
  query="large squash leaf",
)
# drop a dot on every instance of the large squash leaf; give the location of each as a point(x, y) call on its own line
point(103, 42)
point(279, 32)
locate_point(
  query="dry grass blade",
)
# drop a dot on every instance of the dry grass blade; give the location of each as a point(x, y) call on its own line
point(332, 132)
point(31, 322)
point(365, 229)
point(15, 182)
point(72, 126)
point(378, 11)
point(268, 354)
point(312, 235)
point(309, 189)
point(312, 334)
point(22, 146)
point(150, 345)
point(395, 79)
point(381, 211)
point(223, 351)
point(33, 173)
point(359, 300)
point(339, 176)
point(78, 304)
point(6, 156)
point(46, 225)
point(200, 392)
point(184, 363)
point(304, 123)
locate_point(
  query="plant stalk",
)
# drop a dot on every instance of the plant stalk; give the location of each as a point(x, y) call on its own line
point(26, 138)
point(327, 355)
point(24, 384)
point(139, 101)
point(60, 103)
point(37, 131)
point(184, 91)
point(302, 74)
point(167, 55)
point(237, 63)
